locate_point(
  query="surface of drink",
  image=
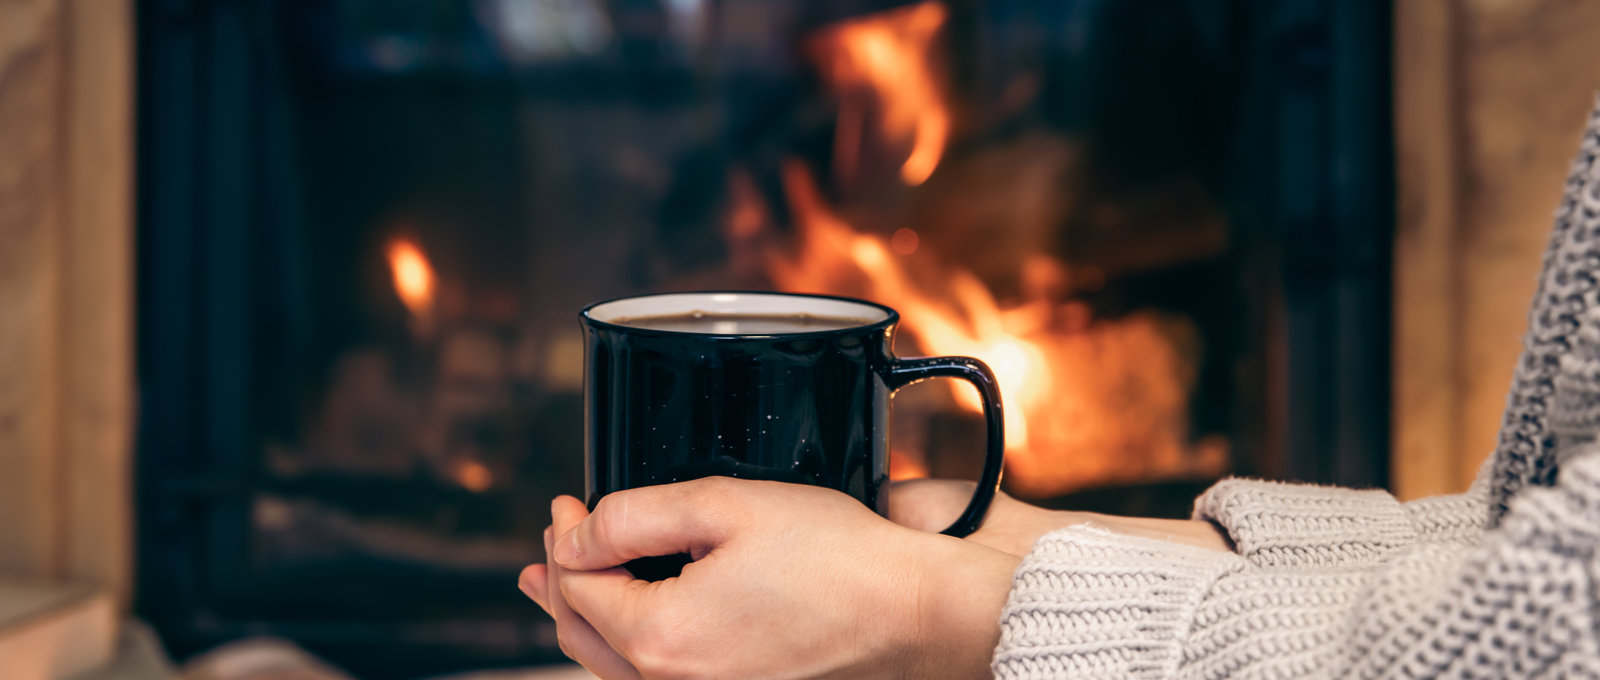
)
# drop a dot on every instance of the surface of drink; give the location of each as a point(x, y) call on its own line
point(722, 323)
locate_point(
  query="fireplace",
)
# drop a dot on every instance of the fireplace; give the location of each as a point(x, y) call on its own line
point(365, 229)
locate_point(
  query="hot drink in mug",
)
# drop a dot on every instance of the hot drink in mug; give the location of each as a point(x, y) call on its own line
point(772, 386)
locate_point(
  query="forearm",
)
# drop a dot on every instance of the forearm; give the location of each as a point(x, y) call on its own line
point(1193, 532)
point(1021, 526)
point(1013, 526)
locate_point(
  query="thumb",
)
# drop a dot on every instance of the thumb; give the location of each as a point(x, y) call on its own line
point(645, 522)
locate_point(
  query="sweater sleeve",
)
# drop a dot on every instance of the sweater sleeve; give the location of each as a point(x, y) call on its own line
point(1520, 602)
point(1090, 603)
point(1278, 524)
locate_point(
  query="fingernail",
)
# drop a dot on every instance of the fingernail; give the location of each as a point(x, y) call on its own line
point(566, 549)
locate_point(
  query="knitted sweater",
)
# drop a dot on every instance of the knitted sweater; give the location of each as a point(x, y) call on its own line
point(1500, 582)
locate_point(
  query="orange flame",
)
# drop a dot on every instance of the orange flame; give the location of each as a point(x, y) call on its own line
point(1085, 403)
point(414, 281)
point(903, 466)
point(472, 475)
point(976, 329)
point(886, 58)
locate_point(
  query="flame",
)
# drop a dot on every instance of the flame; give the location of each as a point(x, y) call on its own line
point(1086, 402)
point(413, 276)
point(472, 475)
point(885, 59)
point(414, 281)
point(976, 329)
point(903, 466)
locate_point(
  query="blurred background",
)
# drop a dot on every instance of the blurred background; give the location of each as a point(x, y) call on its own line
point(289, 288)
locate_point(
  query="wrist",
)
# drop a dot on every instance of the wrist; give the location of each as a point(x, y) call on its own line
point(963, 589)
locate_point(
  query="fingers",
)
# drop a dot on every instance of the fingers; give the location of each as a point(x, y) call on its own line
point(578, 639)
point(534, 579)
point(611, 599)
point(534, 582)
point(644, 522)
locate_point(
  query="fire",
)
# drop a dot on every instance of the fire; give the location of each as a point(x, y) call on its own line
point(975, 329)
point(472, 475)
point(414, 281)
point(884, 62)
point(903, 465)
point(1085, 402)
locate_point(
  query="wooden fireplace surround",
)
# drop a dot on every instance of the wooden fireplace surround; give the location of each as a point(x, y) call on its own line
point(66, 331)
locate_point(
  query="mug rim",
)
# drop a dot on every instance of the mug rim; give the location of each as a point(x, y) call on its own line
point(890, 318)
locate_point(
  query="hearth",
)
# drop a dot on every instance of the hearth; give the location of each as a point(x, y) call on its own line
point(366, 227)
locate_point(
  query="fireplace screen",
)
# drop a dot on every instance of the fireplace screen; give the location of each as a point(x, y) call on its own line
point(367, 228)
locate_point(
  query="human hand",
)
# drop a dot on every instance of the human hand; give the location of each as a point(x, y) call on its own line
point(577, 639)
point(1013, 526)
point(789, 581)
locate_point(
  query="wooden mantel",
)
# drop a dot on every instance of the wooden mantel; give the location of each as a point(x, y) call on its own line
point(66, 293)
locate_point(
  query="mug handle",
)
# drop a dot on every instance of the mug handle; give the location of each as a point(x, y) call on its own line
point(903, 372)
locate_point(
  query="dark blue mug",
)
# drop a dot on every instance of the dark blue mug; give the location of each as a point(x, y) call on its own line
point(771, 386)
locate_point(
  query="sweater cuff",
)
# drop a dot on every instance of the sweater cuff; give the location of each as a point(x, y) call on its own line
point(1277, 524)
point(1090, 603)
point(1457, 519)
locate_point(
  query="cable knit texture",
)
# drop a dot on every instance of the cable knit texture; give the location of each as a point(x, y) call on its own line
point(1499, 582)
point(1565, 294)
point(1284, 525)
point(1133, 620)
